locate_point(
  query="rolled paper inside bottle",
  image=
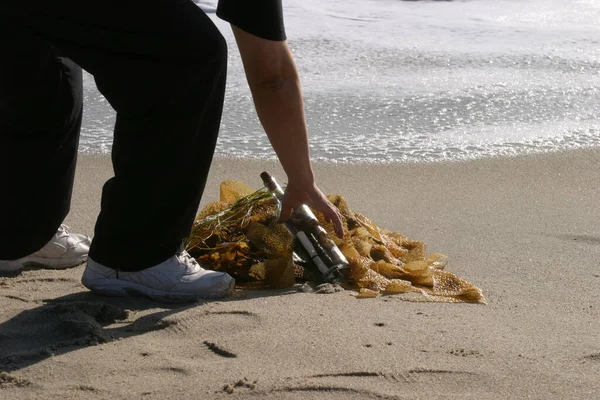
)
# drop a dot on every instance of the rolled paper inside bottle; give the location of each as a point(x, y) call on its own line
point(328, 245)
point(312, 252)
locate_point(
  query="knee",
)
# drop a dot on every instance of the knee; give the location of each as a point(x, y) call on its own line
point(206, 65)
point(212, 50)
point(221, 50)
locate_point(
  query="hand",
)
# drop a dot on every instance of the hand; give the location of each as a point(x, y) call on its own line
point(296, 195)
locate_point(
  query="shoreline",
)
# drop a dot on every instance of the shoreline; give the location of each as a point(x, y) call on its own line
point(525, 230)
point(396, 162)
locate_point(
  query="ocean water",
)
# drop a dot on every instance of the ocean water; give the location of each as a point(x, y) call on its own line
point(394, 80)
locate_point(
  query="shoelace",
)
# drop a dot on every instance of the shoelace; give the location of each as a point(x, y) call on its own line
point(63, 230)
point(189, 261)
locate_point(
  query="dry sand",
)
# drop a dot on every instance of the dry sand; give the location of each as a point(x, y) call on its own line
point(525, 230)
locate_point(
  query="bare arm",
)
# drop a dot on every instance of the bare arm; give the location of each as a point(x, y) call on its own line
point(273, 79)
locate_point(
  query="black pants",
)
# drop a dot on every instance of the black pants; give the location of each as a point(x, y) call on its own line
point(162, 66)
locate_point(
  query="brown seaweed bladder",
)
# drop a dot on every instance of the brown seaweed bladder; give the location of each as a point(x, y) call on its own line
point(238, 235)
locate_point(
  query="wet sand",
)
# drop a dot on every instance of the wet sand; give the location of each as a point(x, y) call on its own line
point(525, 230)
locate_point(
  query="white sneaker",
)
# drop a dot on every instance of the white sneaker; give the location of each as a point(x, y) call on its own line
point(64, 250)
point(178, 279)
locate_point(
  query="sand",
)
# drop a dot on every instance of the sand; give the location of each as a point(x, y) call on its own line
point(525, 230)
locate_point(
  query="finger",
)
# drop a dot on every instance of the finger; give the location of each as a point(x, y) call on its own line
point(331, 214)
point(338, 225)
point(286, 213)
point(339, 228)
point(286, 209)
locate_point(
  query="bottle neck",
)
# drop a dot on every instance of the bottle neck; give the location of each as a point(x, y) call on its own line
point(271, 184)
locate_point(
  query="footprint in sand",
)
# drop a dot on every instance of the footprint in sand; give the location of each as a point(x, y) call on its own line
point(353, 385)
point(241, 385)
point(200, 323)
point(38, 333)
point(200, 331)
point(9, 381)
point(219, 350)
point(465, 353)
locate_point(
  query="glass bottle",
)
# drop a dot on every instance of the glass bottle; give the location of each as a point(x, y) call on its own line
point(312, 242)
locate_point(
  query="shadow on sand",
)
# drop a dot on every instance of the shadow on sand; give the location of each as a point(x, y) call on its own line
point(79, 320)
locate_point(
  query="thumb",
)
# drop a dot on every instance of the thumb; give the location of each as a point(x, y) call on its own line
point(286, 211)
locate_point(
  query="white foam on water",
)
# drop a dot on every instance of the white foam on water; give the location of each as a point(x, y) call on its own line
point(393, 80)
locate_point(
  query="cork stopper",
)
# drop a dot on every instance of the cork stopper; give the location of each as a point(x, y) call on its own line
point(269, 181)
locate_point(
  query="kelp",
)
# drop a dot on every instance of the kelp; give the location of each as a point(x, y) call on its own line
point(239, 235)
